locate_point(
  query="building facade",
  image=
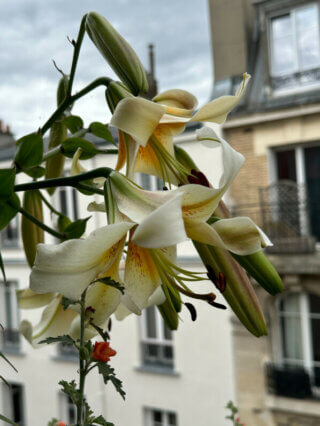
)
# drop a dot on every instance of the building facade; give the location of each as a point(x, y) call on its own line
point(277, 129)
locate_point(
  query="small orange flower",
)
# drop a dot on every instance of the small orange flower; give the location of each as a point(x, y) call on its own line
point(62, 424)
point(102, 351)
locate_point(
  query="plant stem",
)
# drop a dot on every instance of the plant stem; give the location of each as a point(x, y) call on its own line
point(41, 224)
point(50, 206)
point(101, 81)
point(64, 181)
point(82, 367)
point(76, 52)
point(89, 188)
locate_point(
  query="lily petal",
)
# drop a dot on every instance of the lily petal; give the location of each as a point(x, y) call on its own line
point(141, 276)
point(54, 322)
point(217, 110)
point(177, 102)
point(28, 299)
point(163, 227)
point(137, 117)
point(69, 267)
point(77, 168)
point(239, 235)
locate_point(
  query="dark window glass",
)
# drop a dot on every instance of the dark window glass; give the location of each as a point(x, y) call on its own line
point(17, 404)
point(286, 165)
point(312, 167)
point(151, 322)
point(172, 419)
point(157, 416)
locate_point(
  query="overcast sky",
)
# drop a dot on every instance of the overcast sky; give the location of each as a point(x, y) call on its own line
point(33, 32)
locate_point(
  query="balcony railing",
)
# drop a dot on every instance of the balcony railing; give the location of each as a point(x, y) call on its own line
point(291, 381)
point(287, 215)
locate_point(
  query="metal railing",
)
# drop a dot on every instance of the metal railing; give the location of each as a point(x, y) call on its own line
point(286, 215)
point(291, 381)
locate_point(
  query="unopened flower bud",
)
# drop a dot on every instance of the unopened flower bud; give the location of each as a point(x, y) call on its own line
point(62, 89)
point(115, 92)
point(54, 166)
point(32, 235)
point(117, 52)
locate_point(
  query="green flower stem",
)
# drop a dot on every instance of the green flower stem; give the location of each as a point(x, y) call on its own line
point(64, 181)
point(101, 81)
point(50, 206)
point(52, 153)
point(41, 224)
point(77, 46)
point(89, 188)
point(108, 151)
point(82, 362)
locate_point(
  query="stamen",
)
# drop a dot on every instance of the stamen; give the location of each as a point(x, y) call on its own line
point(192, 310)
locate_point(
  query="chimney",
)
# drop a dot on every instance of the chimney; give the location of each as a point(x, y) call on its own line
point(151, 61)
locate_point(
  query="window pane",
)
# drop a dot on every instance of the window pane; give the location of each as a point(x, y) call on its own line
point(312, 161)
point(315, 329)
point(151, 322)
point(75, 204)
point(157, 416)
point(63, 201)
point(168, 353)
point(290, 303)
point(167, 332)
point(152, 350)
point(291, 338)
point(283, 52)
point(314, 303)
point(308, 36)
point(286, 165)
point(145, 181)
point(172, 419)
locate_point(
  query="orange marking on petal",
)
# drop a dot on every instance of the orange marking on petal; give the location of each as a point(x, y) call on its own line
point(122, 152)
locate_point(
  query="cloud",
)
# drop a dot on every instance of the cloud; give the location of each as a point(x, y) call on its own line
point(34, 32)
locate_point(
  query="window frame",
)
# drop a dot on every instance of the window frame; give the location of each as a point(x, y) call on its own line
point(15, 315)
point(149, 421)
point(305, 316)
point(7, 398)
point(160, 341)
point(292, 12)
point(72, 202)
point(11, 243)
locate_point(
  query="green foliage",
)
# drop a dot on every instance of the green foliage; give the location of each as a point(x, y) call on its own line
point(76, 229)
point(9, 209)
point(70, 146)
point(65, 302)
point(29, 151)
point(108, 374)
point(109, 281)
point(234, 410)
point(101, 131)
point(5, 419)
point(2, 269)
point(10, 363)
point(35, 172)
point(65, 339)
point(73, 123)
point(7, 177)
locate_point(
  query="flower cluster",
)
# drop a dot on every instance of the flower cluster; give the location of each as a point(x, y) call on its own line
point(136, 248)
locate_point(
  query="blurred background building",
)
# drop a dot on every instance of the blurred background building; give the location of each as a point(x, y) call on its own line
point(277, 129)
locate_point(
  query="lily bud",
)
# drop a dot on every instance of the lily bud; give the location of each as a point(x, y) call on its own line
point(238, 291)
point(32, 235)
point(55, 165)
point(117, 52)
point(62, 89)
point(115, 92)
point(261, 269)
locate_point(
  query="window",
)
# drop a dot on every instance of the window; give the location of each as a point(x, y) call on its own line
point(156, 417)
point(156, 342)
point(9, 235)
point(295, 45)
point(151, 183)
point(68, 351)
point(301, 166)
point(68, 202)
point(300, 333)
point(13, 403)
point(68, 411)
point(10, 319)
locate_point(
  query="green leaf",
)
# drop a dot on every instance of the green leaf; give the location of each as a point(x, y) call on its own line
point(4, 381)
point(70, 388)
point(108, 374)
point(73, 123)
point(101, 131)
point(65, 302)
point(76, 228)
point(101, 421)
point(35, 172)
point(29, 151)
point(65, 339)
point(5, 419)
point(8, 210)
point(7, 177)
point(109, 281)
point(2, 269)
point(9, 362)
point(70, 146)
